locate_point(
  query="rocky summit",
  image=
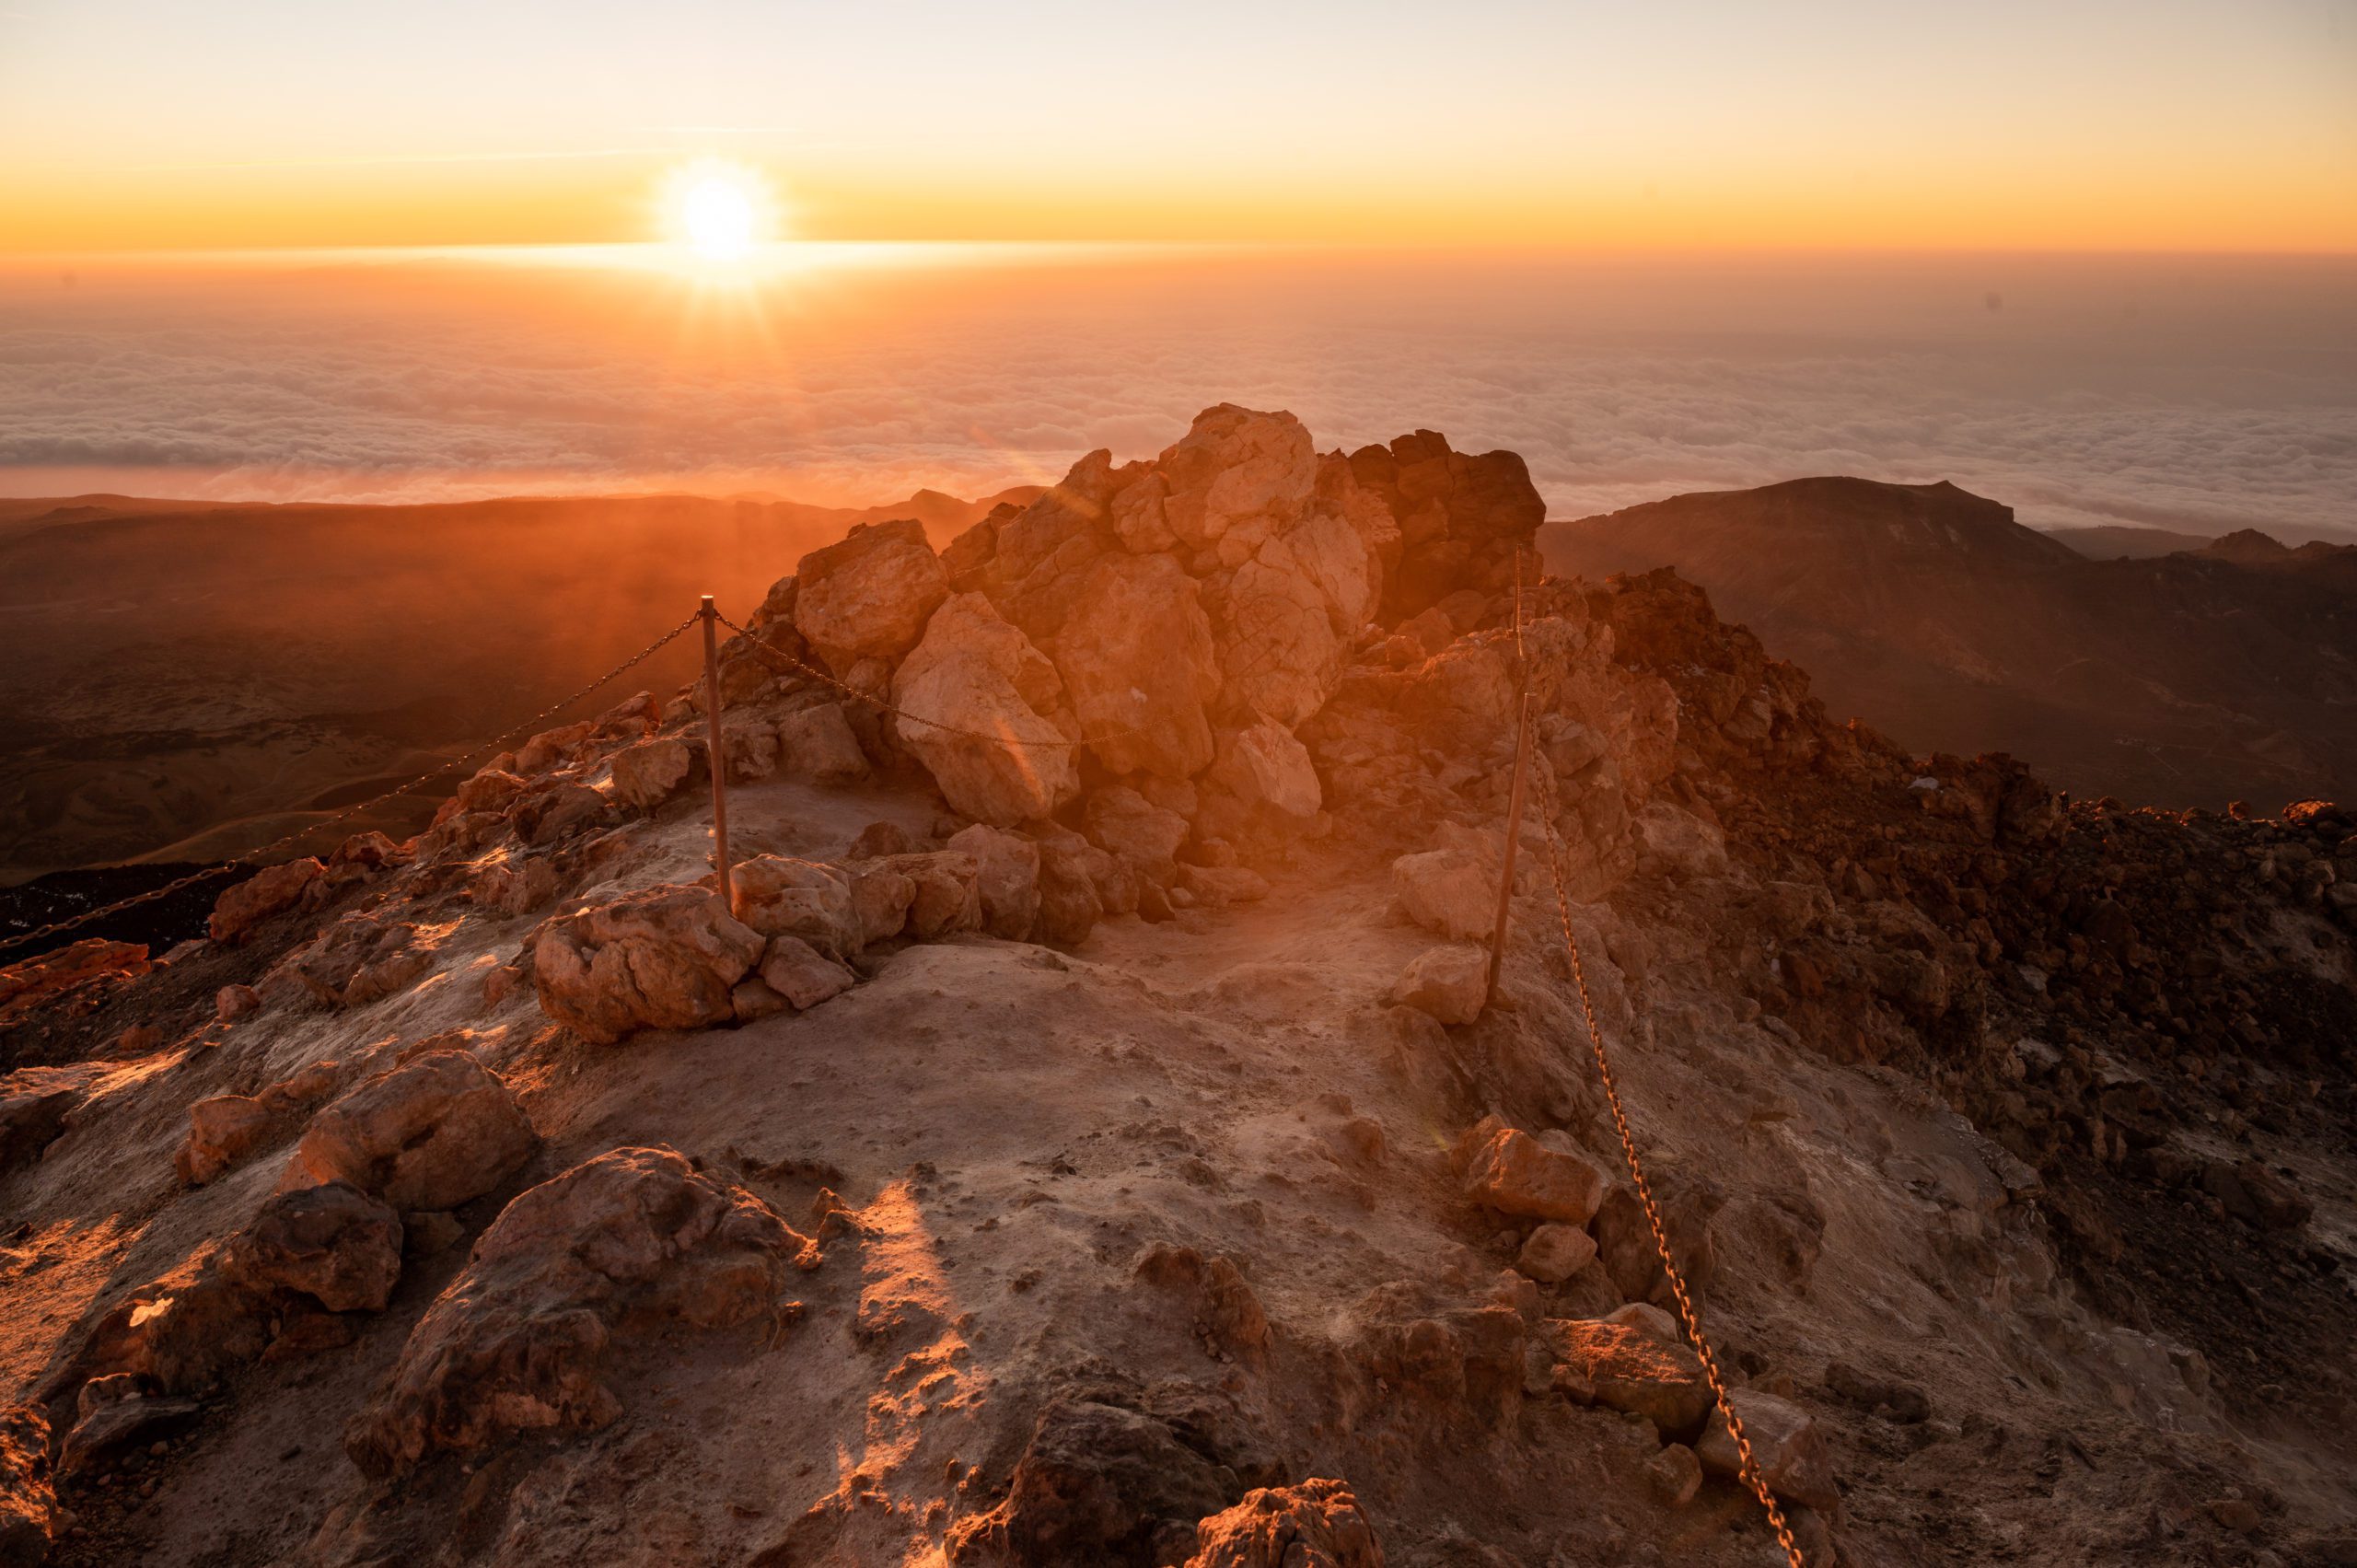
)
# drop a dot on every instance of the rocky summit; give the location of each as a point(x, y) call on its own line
point(1087, 1134)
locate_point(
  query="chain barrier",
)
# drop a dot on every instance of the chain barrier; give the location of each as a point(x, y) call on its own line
point(780, 656)
point(1686, 1313)
point(58, 927)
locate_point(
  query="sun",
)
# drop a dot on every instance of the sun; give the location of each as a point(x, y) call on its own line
point(718, 211)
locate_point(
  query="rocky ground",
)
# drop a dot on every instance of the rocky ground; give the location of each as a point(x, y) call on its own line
point(1085, 1137)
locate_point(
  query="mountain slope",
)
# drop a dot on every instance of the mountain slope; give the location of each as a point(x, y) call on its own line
point(2182, 678)
point(1123, 1163)
point(176, 676)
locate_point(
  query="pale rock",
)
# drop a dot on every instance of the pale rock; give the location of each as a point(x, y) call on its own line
point(234, 1001)
point(1627, 1370)
point(1515, 1174)
point(1235, 465)
point(646, 774)
point(1136, 656)
point(1676, 1475)
point(1265, 765)
point(1133, 829)
point(778, 896)
point(1216, 887)
point(1553, 1253)
point(880, 901)
point(752, 752)
point(1644, 1316)
point(869, 596)
point(816, 743)
point(1006, 876)
point(1445, 891)
point(661, 958)
point(1452, 983)
point(222, 1129)
point(949, 893)
point(992, 746)
point(802, 974)
point(433, 1133)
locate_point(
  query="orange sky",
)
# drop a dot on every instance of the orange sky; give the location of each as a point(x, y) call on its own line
point(2169, 125)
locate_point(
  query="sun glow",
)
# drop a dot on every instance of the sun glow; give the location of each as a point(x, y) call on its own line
point(719, 212)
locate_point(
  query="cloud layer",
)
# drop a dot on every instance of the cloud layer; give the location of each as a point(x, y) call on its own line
point(347, 386)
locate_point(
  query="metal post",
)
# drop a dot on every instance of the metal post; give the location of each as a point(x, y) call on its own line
point(719, 751)
point(1513, 842)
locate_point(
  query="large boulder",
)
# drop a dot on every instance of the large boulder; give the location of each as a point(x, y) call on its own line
point(1006, 875)
point(662, 958)
point(779, 895)
point(610, 1256)
point(431, 1133)
point(332, 1242)
point(1461, 518)
point(1235, 467)
point(818, 743)
point(869, 596)
point(980, 708)
point(241, 908)
point(1318, 1524)
point(1447, 891)
point(1267, 771)
point(1136, 655)
point(646, 774)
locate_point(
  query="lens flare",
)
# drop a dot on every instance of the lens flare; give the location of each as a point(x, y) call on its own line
point(719, 212)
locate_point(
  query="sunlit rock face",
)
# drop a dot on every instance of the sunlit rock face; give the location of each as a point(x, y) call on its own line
point(1160, 610)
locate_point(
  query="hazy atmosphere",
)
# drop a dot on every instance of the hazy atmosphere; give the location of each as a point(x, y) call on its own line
point(1214, 786)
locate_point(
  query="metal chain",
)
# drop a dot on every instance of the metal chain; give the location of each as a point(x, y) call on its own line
point(58, 927)
point(1750, 1465)
point(815, 673)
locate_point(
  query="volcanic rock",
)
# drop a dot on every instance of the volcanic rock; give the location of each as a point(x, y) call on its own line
point(646, 774)
point(801, 974)
point(1136, 655)
point(1316, 1524)
point(816, 743)
point(869, 596)
point(1784, 1439)
point(778, 896)
point(987, 705)
point(659, 958)
point(1006, 875)
point(1553, 1253)
point(1451, 982)
point(575, 1271)
point(431, 1133)
point(332, 1242)
point(267, 892)
point(28, 1505)
point(1447, 891)
point(1515, 1174)
point(1627, 1369)
point(362, 959)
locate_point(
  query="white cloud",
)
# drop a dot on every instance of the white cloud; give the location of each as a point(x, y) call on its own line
point(347, 387)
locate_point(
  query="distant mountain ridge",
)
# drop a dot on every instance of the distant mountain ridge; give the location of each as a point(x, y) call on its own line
point(2187, 678)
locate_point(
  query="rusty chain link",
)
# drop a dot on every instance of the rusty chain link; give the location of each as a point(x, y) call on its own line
point(1750, 1465)
point(1686, 1313)
point(58, 927)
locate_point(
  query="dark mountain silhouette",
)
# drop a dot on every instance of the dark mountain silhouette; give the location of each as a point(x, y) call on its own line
point(2191, 678)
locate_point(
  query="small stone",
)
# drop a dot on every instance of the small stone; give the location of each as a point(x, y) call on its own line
point(1647, 1318)
point(1451, 983)
point(1675, 1475)
point(802, 974)
point(1784, 1439)
point(1515, 1174)
point(2239, 1515)
point(1555, 1253)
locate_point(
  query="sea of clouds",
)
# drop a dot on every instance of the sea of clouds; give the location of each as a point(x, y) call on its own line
point(2200, 396)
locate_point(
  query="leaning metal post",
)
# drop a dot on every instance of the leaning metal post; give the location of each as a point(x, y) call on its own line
point(719, 758)
point(1514, 837)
